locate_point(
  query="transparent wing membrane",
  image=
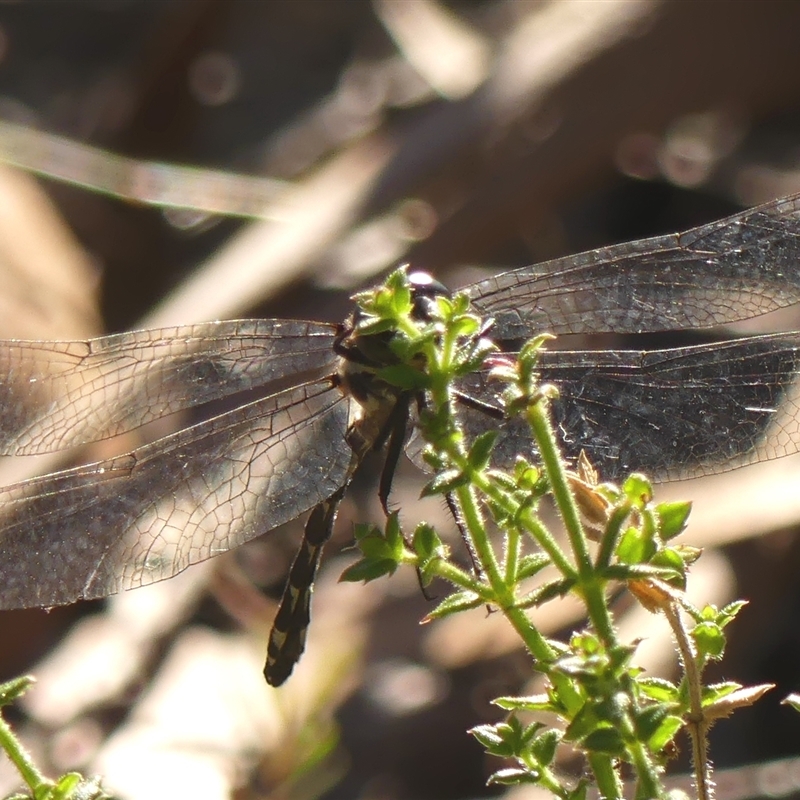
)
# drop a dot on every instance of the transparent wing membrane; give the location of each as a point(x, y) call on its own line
point(144, 516)
point(733, 269)
point(677, 413)
point(54, 395)
point(140, 517)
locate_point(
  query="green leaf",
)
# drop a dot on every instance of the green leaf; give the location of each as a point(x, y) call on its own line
point(620, 656)
point(434, 458)
point(395, 294)
point(649, 523)
point(15, 688)
point(433, 422)
point(729, 612)
point(585, 643)
point(394, 535)
point(377, 545)
point(671, 560)
point(513, 776)
point(669, 557)
point(488, 736)
point(374, 548)
point(529, 734)
point(474, 358)
point(529, 354)
point(581, 668)
point(430, 552)
point(365, 530)
point(687, 553)
point(458, 601)
point(546, 592)
point(664, 733)
point(368, 570)
point(531, 564)
point(741, 698)
point(715, 692)
point(634, 548)
point(658, 689)
point(710, 639)
point(426, 542)
point(544, 746)
point(638, 489)
point(459, 302)
point(672, 518)
point(708, 613)
point(378, 548)
point(372, 326)
point(536, 702)
point(444, 483)
point(501, 479)
point(66, 786)
point(648, 720)
point(481, 451)
point(464, 325)
point(409, 351)
point(792, 700)
point(605, 740)
point(638, 572)
point(526, 475)
point(504, 739)
point(582, 724)
point(70, 786)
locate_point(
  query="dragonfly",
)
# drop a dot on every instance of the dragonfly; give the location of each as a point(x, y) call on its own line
point(305, 412)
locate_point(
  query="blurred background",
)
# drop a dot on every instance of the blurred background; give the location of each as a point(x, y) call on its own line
point(172, 161)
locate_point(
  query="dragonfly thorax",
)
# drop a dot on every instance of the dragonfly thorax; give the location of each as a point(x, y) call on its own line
point(361, 356)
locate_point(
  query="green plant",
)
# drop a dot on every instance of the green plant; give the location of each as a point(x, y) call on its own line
point(70, 786)
point(597, 701)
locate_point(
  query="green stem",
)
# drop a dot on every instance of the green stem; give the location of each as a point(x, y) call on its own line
point(545, 540)
point(527, 519)
point(504, 596)
point(500, 583)
point(535, 643)
point(609, 786)
point(648, 781)
point(610, 536)
point(465, 496)
point(591, 586)
point(549, 781)
point(20, 758)
point(513, 552)
point(458, 577)
point(696, 722)
point(440, 369)
point(539, 420)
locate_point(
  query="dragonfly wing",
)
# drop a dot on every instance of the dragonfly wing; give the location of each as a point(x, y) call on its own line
point(54, 395)
point(728, 270)
point(145, 516)
point(673, 414)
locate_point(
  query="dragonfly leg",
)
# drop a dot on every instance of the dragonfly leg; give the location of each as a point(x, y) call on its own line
point(495, 412)
point(458, 518)
point(395, 430)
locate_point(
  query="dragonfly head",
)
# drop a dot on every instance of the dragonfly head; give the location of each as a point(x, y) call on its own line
point(361, 355)
point(425, 289)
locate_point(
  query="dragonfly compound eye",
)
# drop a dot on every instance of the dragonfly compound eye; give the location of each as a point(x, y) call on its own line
point(425, 289)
